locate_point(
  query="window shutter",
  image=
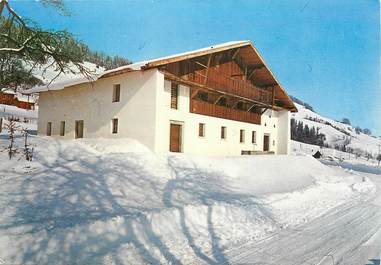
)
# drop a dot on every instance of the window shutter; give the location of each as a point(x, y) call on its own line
point(174, 95)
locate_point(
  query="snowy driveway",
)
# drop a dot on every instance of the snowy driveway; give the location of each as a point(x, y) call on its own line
point(348, 234)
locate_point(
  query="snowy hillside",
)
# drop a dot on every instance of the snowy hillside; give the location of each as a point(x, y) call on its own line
point(337, 133)
point(103, 201)
point(48, 73)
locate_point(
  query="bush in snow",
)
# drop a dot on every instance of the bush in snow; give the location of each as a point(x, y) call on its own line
point(358, 130)
point(346, 121)
point(367, 131)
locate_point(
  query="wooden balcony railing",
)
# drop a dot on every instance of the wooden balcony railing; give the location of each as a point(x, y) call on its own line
point(233, 86)
point(205, 108)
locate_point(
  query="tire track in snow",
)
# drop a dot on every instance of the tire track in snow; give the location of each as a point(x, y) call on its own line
point(341, 232)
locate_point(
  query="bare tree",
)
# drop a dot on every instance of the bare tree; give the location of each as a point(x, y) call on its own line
point(11, 127)
point(28, 153)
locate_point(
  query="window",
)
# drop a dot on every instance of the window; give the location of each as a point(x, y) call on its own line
point(174, 95)
point(241, 136)
point(223, 132)
point(201, 129)
point(114, 125)
point(273, 142)
point(116, 93)
point(79, 125)
point(253, 137)
point(62, 128)
point(49, 128)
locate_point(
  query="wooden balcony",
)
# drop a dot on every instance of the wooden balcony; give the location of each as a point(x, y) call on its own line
point(233, 87)
point(205, 108)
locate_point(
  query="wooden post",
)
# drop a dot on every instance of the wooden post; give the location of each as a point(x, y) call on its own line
point(207, 68)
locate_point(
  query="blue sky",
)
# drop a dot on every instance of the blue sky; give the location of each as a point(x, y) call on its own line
point(324, 52)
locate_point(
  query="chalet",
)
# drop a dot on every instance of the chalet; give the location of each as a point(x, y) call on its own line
point(220, 100)
point(17, 100)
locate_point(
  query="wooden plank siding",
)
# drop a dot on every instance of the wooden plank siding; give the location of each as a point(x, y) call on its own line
point(227, 77)
point(205, 108)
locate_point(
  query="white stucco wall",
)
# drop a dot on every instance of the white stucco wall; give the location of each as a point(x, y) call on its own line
point(284, 132)
point(211, 144)
point(93, 104)
point(144, 114)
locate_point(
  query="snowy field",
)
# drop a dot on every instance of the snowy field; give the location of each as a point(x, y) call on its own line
point(114, 202)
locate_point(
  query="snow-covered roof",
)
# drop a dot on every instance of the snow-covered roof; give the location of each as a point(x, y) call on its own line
point(67, 82)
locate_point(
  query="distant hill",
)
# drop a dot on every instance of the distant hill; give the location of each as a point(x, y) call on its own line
point(338, 135)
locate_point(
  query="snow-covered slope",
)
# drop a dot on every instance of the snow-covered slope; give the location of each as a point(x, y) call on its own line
point(104, 201)
point(337, 133)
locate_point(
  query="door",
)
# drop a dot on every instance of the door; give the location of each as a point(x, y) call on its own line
point(266, 143)
point(79, 129)
point(175, 138)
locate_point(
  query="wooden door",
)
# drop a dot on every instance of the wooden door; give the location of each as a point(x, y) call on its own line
point(175, 138)
point(79, 129)
point(266, 143)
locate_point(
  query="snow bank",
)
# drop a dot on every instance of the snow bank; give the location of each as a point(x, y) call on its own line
point(98, 201)
point(259, 174)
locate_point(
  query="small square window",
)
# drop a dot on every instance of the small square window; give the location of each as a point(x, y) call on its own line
point(201, 129)
point(114, 125)
point(116, 93)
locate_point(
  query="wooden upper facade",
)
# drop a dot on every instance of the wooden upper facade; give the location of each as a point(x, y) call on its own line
point(233, 83)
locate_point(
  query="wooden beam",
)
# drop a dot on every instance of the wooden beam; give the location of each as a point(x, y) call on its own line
point(197, 73)
point(207, 68)
point(194, 92)
point(268, 85)
point(252, 72)
point(194, 84)
point(235, 54)
point(264, 110)
point(255, 69)
point(252, 106)
point(203, 65)
point(235, 102)
point(218, 99)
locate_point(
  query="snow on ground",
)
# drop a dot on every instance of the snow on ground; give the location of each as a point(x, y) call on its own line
point(337, 132)
point(337, 158)
point(26, 118)
point(98, 201)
